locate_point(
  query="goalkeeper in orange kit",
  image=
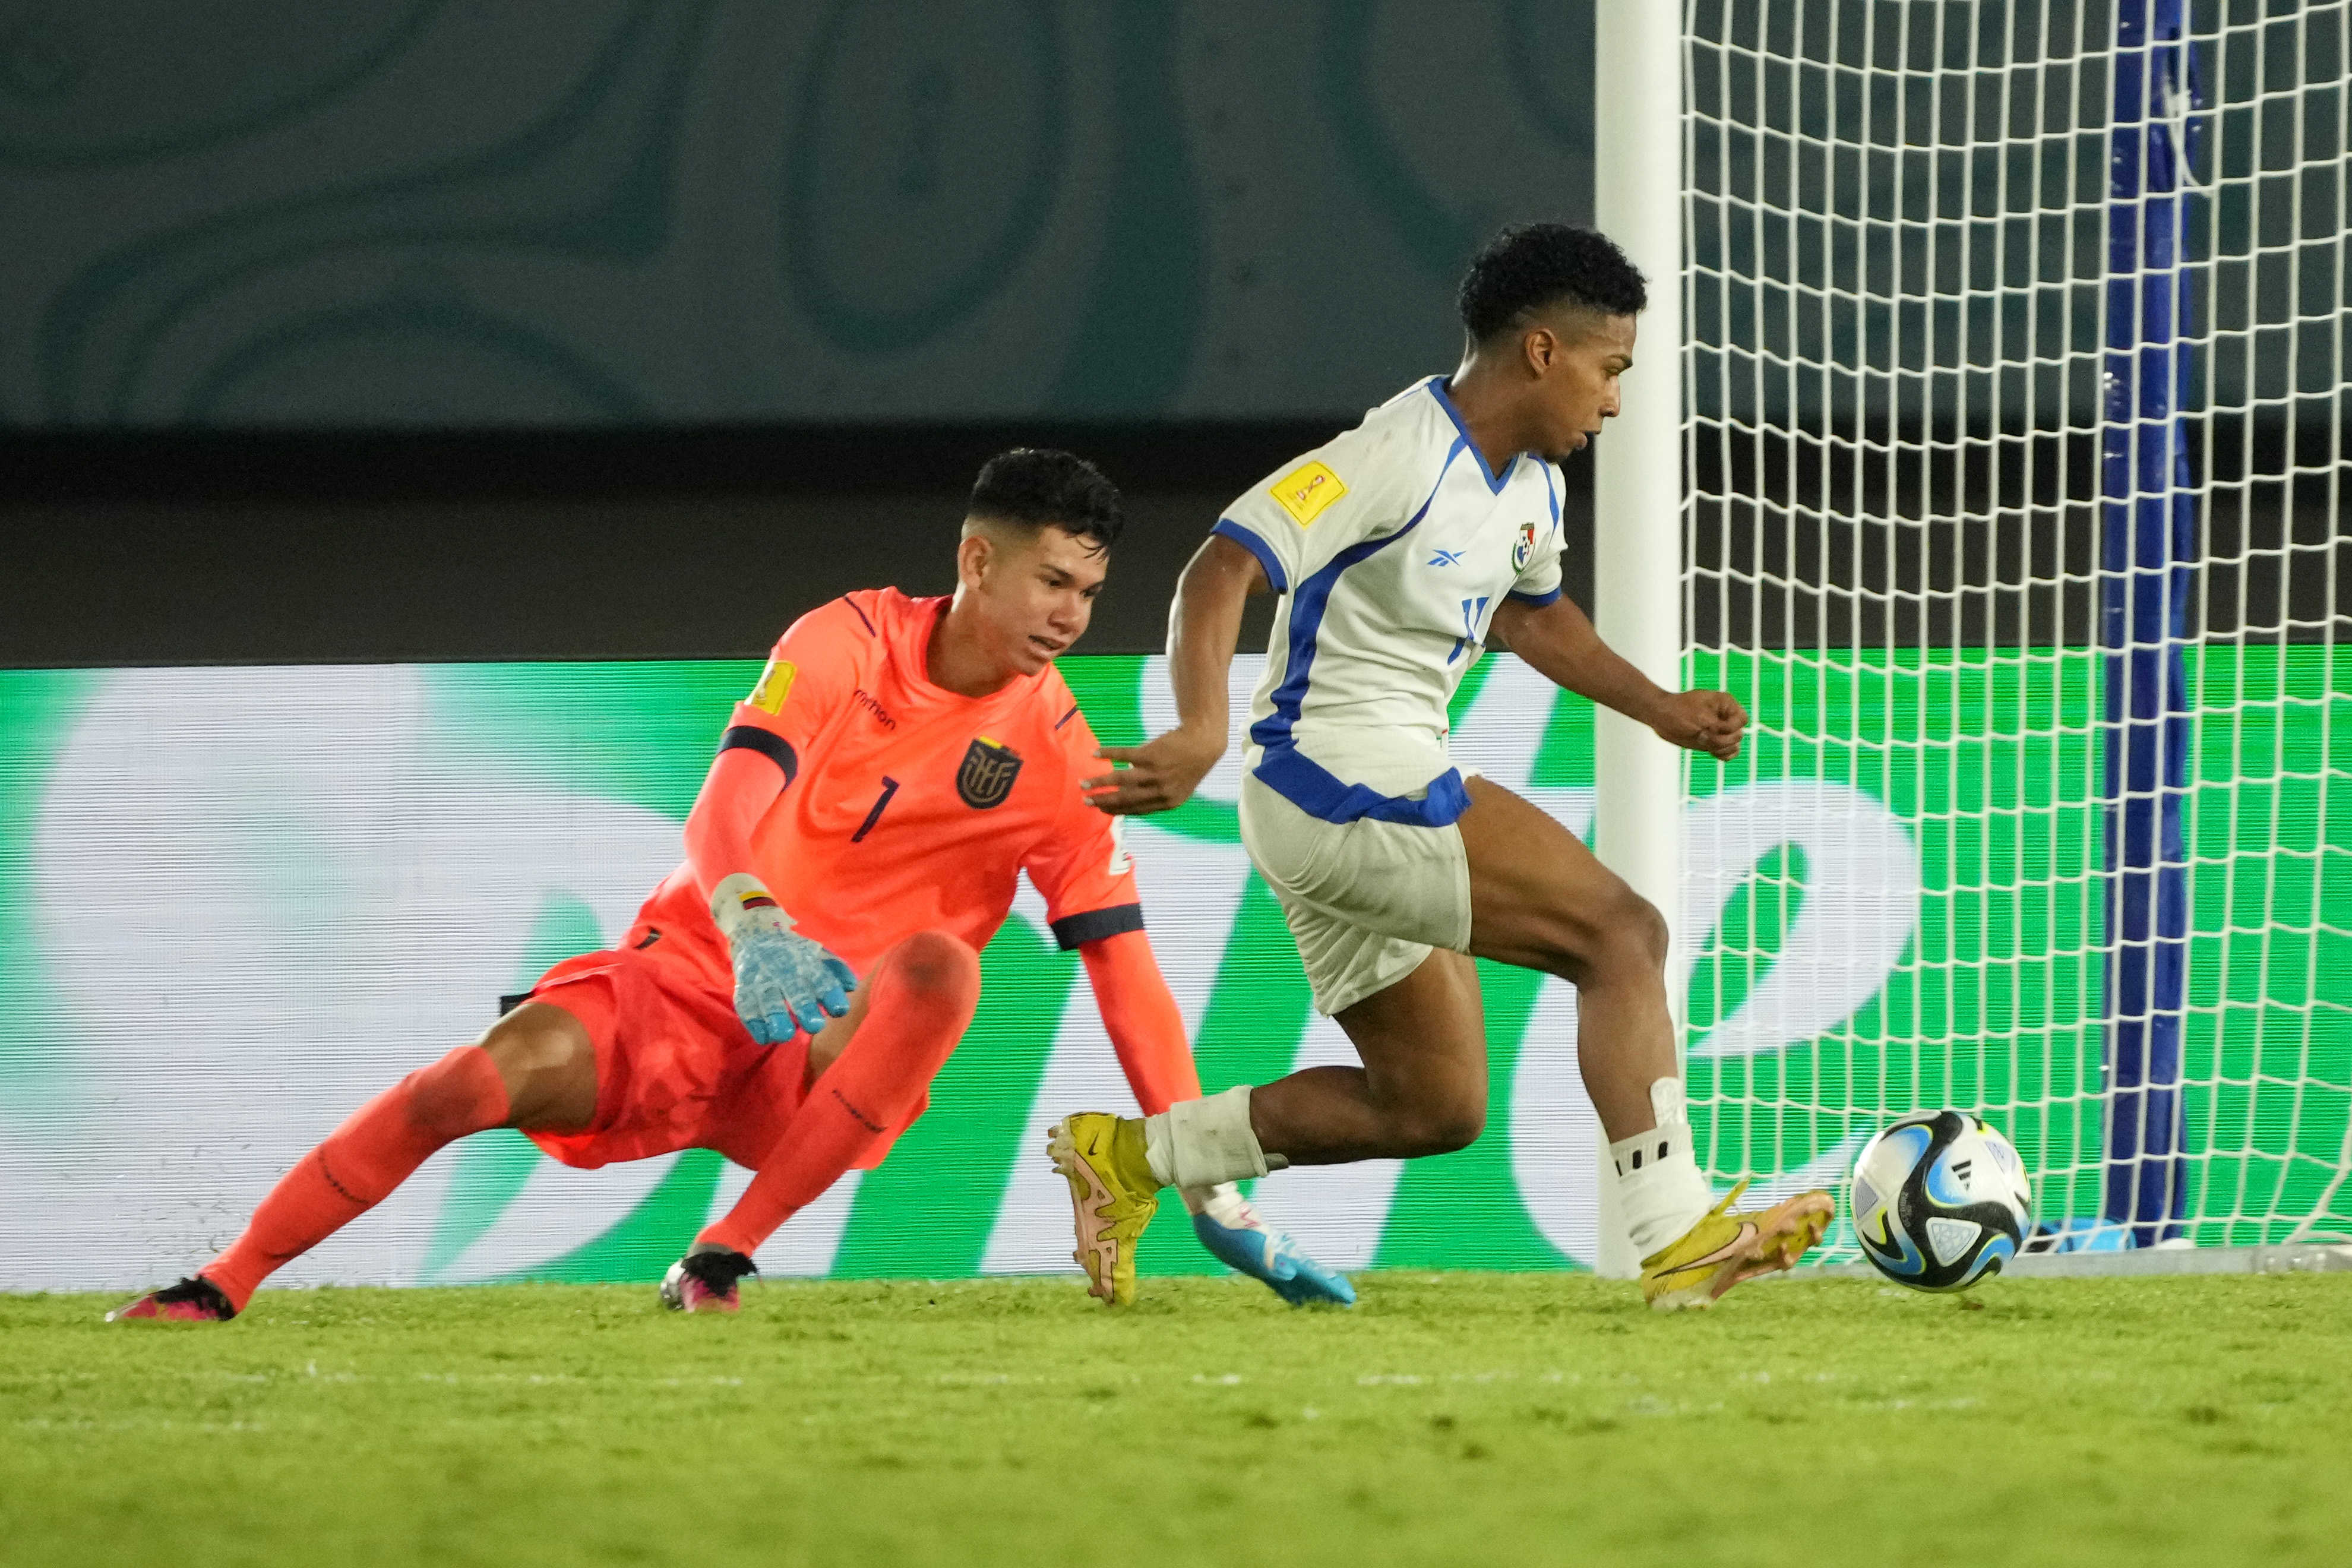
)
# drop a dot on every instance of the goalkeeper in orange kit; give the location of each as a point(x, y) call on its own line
point(788, 994)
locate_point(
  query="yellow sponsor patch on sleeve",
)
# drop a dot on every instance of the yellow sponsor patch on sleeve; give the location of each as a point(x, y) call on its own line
point(775, 685)
point(1305, 491)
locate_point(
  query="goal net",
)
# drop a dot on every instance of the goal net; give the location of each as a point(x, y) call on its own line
point(2016, 352)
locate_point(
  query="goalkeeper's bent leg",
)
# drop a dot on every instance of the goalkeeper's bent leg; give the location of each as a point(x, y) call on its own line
point(375, 1150)
point(921, 997)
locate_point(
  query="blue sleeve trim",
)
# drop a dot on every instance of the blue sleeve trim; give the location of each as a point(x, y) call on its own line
point(1093, 925)
point(768, 743)
point(1537, 600)
point(1257, 547)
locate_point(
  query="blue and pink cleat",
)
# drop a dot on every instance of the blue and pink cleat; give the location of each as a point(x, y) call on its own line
point(1237, 1238)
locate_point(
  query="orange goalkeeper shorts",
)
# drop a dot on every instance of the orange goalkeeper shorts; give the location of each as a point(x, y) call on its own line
point(675, 1067)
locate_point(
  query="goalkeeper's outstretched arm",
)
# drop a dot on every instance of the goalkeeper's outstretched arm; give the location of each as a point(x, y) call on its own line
point(741, 787)
point(1559, 640)
point(784, 983)
point(1147, 1030)
point(1146, 1027)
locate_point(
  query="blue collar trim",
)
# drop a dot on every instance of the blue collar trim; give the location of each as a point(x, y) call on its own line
point(1495, 481)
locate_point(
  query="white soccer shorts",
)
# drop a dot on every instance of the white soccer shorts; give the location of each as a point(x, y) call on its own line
point(1365, 900)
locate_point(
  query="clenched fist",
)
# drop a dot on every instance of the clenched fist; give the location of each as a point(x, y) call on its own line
point(1709, 721)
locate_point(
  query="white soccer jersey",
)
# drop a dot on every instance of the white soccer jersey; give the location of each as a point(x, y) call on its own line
point(1391, 545)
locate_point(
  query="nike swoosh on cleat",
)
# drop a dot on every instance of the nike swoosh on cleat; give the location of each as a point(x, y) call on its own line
point(1729, 1249)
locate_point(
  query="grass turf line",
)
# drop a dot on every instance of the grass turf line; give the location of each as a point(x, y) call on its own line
point(1450, 1419)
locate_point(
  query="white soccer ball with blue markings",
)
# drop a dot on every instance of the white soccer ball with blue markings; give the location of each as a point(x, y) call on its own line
point(1941, 1200)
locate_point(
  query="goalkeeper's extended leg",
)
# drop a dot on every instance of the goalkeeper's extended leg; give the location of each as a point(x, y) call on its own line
point(907, 1018)
point(535, 1068)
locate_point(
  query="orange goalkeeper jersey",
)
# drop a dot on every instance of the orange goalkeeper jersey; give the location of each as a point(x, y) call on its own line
point(908, 807)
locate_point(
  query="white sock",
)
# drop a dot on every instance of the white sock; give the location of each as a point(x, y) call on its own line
point(1222, 1203)
point(1659, 1188)
point(1202, 1142)
point(1160, 1148)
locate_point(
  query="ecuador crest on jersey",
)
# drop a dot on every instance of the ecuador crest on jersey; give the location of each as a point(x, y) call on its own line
point(987, 773)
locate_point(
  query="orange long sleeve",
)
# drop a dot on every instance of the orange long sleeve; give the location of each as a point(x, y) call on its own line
point(1146, 1028)
point(741, 786)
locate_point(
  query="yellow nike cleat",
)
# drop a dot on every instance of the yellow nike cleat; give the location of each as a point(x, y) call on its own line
point(1113, 1192)
point(1724, 1248)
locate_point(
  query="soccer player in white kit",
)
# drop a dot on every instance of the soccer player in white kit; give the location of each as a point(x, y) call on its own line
point(1401, 549)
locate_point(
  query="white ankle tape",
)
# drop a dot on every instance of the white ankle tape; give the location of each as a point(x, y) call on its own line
point(1211, 1141)
point(1661, 1191)
point(1672, 1135)
point(1647, 1151)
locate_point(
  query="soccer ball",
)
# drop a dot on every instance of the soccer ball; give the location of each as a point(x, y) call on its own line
point(1941, 1200)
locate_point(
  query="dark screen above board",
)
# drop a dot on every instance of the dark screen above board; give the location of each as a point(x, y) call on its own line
point(409, 213)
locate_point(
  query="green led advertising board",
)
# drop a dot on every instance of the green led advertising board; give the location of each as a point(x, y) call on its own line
point(237, 901)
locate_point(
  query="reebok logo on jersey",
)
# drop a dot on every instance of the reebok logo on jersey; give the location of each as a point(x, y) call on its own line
point(987, 773)
point(775, 685)
point(1306, 491)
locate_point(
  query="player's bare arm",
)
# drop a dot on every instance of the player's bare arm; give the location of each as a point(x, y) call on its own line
point(1203, 626)
point(1559, 641)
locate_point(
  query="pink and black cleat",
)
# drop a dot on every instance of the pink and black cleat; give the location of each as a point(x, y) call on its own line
point(195, 1300)
point(703, 1280)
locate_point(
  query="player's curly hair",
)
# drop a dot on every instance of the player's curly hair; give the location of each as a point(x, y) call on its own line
point(1533, 265)
point(1035, 486)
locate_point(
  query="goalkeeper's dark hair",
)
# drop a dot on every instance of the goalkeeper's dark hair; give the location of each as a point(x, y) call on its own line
point(1037, 487)
point(1535, 265)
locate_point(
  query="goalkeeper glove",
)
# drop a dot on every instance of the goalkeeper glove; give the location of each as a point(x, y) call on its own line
point(784, 982)
point(1234, 1233)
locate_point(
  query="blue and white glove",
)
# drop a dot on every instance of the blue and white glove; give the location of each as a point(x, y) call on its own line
point(784, 982)
point(1235, 1234)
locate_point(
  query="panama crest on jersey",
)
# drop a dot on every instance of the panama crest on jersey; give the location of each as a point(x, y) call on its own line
point(987, 773)
point(1523, 549)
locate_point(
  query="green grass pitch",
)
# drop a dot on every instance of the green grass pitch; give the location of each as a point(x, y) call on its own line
point(1449, 1419)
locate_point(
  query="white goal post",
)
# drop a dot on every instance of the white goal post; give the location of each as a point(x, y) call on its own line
point(2002, 472)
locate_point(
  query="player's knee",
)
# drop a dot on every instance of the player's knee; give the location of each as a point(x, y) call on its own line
point(1442, 1124)
point(456, 1096)
point(1446, 1133)
point(545, 1063)
point(936, 964)
point(1632, 936)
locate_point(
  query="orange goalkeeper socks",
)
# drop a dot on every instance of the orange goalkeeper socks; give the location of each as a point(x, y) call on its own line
point(923, 993)
point(376, 1149)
